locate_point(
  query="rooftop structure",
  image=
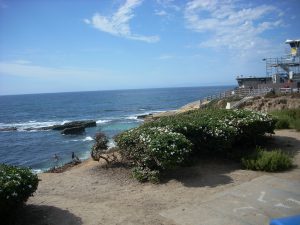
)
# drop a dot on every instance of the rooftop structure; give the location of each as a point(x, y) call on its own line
point(282, 71)
point(295, 46)
point(286, 67)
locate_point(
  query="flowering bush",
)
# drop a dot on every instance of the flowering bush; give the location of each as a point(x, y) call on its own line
point(16, 185)
point(213, 131)
point(152, 150)
point(169, 141)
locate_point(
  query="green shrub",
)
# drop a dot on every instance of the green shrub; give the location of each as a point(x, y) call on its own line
point(143, 174)
point(169, 141)
point(287, 118)
point(270, 161)
point(282, 123)
point(297, 124)
point(153, 149)
point(217, 130)
point(16, 185)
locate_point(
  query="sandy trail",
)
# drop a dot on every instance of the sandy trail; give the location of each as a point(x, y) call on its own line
point(92, 195)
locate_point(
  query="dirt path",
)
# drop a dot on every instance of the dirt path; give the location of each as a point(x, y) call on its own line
point(89, 194)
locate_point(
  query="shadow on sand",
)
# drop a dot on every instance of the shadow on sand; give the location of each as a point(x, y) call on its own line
point(215, 172)
point(286, 144)
point(42, 215)
point(209, 172)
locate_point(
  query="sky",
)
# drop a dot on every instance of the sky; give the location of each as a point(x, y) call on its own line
point(84, 45)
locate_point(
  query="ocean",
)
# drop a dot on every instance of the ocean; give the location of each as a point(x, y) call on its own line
point(114, 111)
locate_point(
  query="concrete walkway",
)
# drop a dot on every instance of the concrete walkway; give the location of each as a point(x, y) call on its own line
point(251, 203)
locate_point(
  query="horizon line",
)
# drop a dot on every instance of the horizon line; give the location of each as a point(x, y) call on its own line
point(126, 89)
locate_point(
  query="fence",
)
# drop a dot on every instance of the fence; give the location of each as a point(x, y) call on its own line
point(289, 90)
point(238, 93)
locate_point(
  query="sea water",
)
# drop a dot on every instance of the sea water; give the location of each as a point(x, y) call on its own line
point(114, 111)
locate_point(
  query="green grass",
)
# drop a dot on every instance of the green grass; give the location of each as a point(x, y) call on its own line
point(287, 118)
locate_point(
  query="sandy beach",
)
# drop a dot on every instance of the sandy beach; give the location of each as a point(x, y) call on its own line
point(91, 194)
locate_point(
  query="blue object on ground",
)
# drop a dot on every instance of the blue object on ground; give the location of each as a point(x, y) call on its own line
point(291, 220)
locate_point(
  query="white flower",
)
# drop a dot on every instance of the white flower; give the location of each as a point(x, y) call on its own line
point(14, 194)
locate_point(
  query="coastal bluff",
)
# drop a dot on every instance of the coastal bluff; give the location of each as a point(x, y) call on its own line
point(265, 103)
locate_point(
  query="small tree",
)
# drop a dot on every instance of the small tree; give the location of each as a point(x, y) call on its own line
point(100, 149)
point(100, 146)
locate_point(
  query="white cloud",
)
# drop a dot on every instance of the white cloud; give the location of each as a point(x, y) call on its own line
point(168, 4)
point(230, 25)
point(118, 23)
point(87, 21)
point(161, 13)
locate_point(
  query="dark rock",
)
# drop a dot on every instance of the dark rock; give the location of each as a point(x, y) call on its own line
point(8, 129)
point(85, 123)
point(144, 116)
point(73, 130)
point(38, 128)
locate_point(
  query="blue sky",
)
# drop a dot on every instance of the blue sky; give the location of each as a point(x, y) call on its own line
point(81, 45)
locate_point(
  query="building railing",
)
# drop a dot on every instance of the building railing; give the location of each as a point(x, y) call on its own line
point(238, 93)
point(289, 90)
point(253, 93)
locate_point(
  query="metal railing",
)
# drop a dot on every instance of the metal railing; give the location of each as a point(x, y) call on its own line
point(253, 93)
point(239, 93)
point(289, 90)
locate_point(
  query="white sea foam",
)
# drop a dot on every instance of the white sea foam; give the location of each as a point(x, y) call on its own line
point(103, 121)
point(111, 143)
point(135, 116)
point(37, 171)
point(88, 138)
point(65, 121)
point(132, 117)
point(30, 124)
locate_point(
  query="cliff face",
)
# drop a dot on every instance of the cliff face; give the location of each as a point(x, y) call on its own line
point(262, 104)
point(268, 104)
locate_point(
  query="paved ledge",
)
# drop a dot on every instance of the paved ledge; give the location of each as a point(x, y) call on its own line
point(251, 203)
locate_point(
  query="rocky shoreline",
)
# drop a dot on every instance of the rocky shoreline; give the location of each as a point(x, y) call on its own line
point(75, 127)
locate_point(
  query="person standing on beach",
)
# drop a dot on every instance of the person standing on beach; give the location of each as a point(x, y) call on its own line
point(75, 159)
point(56, 158)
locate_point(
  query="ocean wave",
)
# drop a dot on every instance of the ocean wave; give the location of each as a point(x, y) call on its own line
point(132, 117)
point(30, 124)
point(111, 143)
point(65, 121)
point(36, 171)
point(88, 138)
point(103, 121)
point(135, 116)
